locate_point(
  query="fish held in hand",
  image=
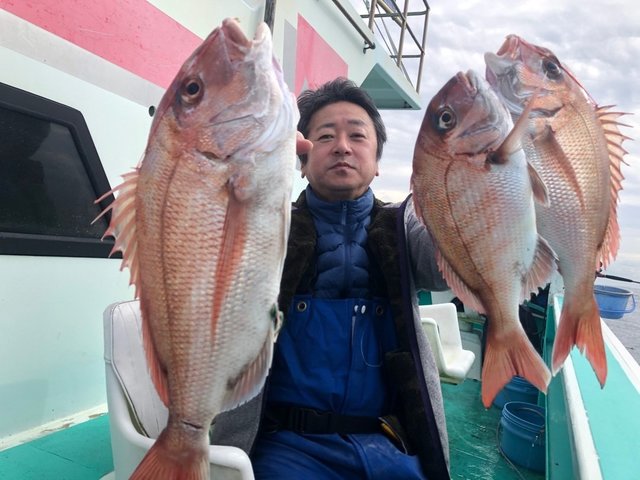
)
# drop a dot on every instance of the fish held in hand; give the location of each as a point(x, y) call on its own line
point(475, 193)
point(576, 147)
point(203, 223)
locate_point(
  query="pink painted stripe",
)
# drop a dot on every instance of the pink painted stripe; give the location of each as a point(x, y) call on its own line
point(132, 34)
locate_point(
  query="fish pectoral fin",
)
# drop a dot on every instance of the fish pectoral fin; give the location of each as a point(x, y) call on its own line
point(509, 355)
point(123, 225)
point(547, 147)
point(513, 142)
point(232, 248)
point(545, 262)
point(458, 286)
point(538, 187)
point(251, 379)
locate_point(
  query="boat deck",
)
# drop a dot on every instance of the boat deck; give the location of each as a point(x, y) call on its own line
point(83, 451)
point(473, 437)
point(80, 452)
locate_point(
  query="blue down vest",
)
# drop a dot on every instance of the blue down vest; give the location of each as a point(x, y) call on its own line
point(342, 266)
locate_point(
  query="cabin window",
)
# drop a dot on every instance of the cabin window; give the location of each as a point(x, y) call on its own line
point(50, 176)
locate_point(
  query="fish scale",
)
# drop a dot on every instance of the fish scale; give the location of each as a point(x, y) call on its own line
point(203, 225)
point(475, 194)
point(576, 147)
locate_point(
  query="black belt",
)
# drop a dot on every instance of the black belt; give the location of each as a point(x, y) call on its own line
point(308, 420)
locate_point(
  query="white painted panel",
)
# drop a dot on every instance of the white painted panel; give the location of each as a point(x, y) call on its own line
point(209, 14)
point(51, 346)
point(51, 340)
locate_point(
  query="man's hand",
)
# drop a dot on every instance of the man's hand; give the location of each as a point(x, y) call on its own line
point(303, 145)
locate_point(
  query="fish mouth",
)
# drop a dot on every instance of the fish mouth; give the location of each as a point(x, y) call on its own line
point(262, 32)
point(234, 34)
point(485, 118)
point(509, 46)
point(501, 62)
point(237, 44)
point(471, 82)
point(502, 75)
point(466, 80)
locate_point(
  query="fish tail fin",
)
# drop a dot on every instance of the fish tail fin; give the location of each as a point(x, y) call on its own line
point(510, 355)
point(163, 461)
point(580, 325)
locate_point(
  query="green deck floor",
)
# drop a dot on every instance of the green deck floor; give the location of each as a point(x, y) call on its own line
point(80, 452)
point(83, 452)
point(473, 439)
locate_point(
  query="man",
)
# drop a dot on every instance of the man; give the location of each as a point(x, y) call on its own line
point(353, 391)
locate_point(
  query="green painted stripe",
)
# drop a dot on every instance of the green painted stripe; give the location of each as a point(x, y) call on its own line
point(560, 458)
point(613, 413)
point(614, 416)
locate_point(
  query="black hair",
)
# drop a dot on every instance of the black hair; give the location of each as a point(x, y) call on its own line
point(339, 90)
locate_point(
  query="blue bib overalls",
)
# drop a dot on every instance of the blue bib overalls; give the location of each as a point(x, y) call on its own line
point(329, 357)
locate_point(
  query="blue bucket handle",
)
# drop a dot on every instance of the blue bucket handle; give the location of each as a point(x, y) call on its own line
point(633, 304)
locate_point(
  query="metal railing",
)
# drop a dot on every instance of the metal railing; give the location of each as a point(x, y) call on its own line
point(391, 21)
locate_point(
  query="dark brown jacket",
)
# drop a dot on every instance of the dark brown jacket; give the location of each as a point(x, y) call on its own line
point(404, 256)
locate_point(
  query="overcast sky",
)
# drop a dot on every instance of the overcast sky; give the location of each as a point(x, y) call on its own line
point(598, 40)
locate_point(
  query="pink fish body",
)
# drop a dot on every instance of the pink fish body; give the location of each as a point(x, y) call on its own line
point(475, 192)
point(203, 224)
point(576, 147)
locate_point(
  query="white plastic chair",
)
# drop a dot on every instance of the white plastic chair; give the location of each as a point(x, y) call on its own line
point(134, 405)
point(440, 323)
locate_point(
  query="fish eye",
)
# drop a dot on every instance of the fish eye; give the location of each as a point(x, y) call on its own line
point(551, 68)
point(191, 91)
point(446, 119)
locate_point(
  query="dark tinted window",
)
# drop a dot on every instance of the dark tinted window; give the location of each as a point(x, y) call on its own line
point(50, 176)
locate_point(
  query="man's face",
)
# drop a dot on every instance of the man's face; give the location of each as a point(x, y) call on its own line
point(342, 163)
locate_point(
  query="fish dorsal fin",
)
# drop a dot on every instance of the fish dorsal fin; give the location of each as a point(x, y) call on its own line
point(123, 225)
point(457, 285)
point(538, 187)
point(251, 380)
point(544, 264)
point(610, 124)
point(123, 228)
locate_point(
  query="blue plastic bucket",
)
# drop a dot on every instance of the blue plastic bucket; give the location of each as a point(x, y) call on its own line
point(522, 436)
point(614, 302)
point(517, 390)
